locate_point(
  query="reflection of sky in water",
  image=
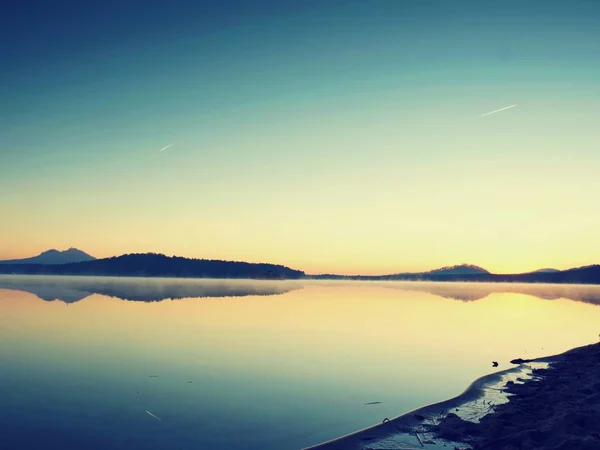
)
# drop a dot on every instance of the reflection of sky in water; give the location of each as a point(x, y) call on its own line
point(268, 372)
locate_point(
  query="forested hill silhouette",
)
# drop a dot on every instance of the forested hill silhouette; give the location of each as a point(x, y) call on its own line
point(158, 265)
point(461, 269)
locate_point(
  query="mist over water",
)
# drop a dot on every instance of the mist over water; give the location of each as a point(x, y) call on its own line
point(256, 364)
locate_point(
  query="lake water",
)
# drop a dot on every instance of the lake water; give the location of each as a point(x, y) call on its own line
point(98, 363)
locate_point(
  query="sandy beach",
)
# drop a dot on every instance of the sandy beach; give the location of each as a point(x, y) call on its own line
point(550, 403)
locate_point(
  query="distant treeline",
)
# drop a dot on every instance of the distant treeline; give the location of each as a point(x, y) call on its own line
point(157, 265)
point(582, 275)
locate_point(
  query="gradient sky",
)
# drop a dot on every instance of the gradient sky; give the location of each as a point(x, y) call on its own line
point(330, 136)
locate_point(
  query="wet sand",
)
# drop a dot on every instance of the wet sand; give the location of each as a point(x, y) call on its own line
point(551, 408)
point(558, 410)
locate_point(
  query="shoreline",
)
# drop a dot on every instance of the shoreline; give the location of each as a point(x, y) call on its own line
point(560, 410)
point(406, 427)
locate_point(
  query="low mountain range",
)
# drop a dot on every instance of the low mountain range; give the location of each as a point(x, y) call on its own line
point(581, 275)
point(458, 270)
point(77, 262)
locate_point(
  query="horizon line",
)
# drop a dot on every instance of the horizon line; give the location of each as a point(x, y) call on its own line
point(322, 273)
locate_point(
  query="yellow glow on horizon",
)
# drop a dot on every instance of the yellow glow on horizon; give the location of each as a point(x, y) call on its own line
point(415, 220)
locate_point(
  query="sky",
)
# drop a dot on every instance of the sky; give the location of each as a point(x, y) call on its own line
point(328, 136)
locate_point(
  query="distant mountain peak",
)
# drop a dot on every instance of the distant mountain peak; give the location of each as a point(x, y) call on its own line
point(54, 256)
point(69, 251)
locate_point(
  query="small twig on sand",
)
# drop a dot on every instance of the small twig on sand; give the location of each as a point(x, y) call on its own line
point(419, 439)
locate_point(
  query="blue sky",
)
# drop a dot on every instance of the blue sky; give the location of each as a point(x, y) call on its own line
point(331, 136)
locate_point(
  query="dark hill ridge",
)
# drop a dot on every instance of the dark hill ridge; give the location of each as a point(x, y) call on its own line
point(157, 265)
point(52, 256)
point(461, 269)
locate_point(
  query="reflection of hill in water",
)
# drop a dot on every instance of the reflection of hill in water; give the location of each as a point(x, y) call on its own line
point(73, 289)
point(476, 291)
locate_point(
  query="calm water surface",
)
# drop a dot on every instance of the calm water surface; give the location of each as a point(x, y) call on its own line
point(255, 364)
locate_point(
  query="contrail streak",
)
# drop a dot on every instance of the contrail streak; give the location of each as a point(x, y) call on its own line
point(150, 414)
point(162, 149)
point(498, 110)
